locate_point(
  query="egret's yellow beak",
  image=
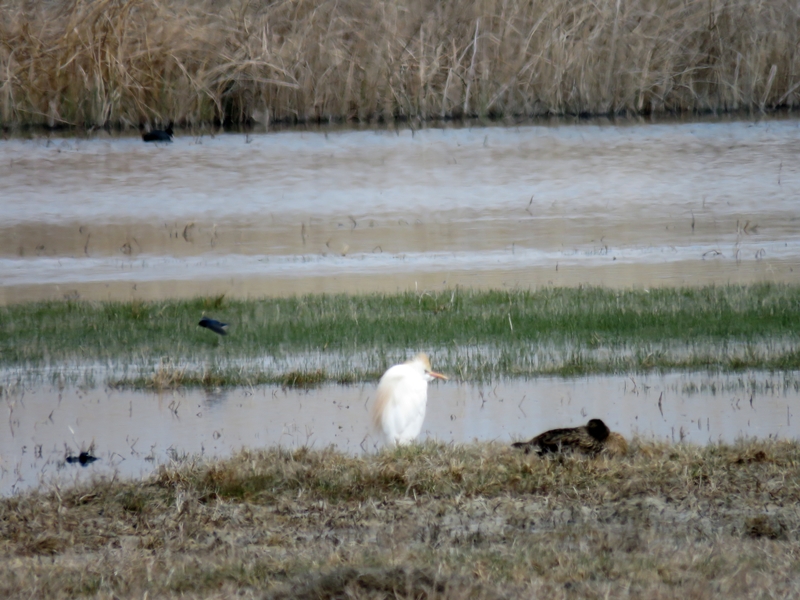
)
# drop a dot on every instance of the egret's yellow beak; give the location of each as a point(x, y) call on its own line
point(437, 375)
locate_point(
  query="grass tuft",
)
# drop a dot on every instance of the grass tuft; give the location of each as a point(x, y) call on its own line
point(304, 379)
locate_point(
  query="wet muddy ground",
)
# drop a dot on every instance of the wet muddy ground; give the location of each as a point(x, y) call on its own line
point(132, 432)
point(292, 212)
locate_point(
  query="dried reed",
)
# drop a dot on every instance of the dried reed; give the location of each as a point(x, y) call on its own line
point(128, 62)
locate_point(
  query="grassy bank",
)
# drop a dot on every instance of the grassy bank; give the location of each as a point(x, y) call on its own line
point(432, 521)
point(125, 62)
point(472, 335)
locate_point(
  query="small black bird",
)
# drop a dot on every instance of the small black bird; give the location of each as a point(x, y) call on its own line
point(157, 135)
point(592, 439)
point(214, 325)
point(84, 458)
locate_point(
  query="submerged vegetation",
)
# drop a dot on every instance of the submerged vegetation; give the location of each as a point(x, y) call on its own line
point(472, 335)
point(86, 63)
point(425, 521)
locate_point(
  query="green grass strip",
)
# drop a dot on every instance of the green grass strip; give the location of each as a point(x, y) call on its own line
point(475, 334)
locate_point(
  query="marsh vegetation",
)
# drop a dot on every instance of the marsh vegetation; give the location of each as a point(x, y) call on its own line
point(473, 335)
point(93, 64)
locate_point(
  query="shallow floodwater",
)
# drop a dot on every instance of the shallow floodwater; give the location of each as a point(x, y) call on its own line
point(133, 432)
point(360, 211)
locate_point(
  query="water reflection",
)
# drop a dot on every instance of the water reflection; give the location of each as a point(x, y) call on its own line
point(131, 432)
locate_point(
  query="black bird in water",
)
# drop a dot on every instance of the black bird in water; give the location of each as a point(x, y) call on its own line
point(84, 458)
point(157, 135)
point(214, 325)
point(592, 439)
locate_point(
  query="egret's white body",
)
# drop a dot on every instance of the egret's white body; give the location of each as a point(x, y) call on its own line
point(399, 409)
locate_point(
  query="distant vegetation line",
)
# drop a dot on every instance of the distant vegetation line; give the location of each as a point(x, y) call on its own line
point(472, 334)
point(87, 63)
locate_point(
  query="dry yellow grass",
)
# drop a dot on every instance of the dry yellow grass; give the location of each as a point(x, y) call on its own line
point(429, 521)
point(126, 62)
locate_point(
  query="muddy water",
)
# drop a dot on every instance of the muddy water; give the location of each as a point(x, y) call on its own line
point(133, 432)
point(284, 213)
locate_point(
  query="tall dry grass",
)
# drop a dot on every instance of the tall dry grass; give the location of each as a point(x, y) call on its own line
point(124, 62)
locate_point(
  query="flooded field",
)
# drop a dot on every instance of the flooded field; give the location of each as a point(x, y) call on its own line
point(133, 432)
point(276, 214)
point(285, 213)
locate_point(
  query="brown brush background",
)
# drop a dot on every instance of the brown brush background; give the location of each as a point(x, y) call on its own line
point(125, 63)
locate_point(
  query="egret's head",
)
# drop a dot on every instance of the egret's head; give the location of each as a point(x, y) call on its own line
point(424, 362)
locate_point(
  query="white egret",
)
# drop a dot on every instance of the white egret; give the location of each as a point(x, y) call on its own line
point(399, 408)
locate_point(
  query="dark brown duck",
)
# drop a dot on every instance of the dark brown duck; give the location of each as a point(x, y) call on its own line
point(592, 439)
